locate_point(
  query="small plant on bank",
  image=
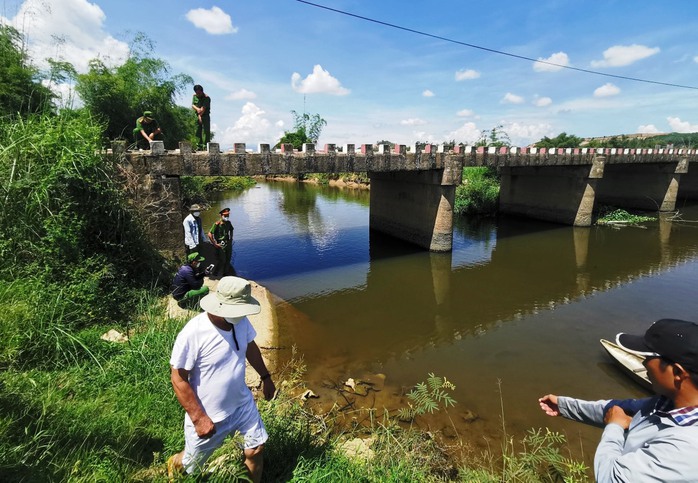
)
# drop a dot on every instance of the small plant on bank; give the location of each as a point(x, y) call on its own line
point(427, 397)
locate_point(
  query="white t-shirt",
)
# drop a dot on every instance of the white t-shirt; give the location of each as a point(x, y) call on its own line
point(216, 366)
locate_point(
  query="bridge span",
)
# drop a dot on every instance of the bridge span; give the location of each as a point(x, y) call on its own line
point(413, 191)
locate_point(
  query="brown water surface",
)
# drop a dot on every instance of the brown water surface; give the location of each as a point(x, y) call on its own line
point(514, 312)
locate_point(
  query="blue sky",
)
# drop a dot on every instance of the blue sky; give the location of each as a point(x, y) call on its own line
point(260, 59)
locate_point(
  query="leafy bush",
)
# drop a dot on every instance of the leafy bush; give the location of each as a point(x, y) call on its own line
point(195, 189)
point(479, 193)
point(610, 216)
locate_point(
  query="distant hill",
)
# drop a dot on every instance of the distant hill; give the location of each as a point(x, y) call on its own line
point(644, 140)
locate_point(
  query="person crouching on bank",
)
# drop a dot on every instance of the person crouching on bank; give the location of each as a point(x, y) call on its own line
point(188, 284)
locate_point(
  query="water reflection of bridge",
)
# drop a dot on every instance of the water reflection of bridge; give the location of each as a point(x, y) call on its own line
point(531, 267)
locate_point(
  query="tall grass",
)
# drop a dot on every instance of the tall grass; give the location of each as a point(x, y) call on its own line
point(72, 253)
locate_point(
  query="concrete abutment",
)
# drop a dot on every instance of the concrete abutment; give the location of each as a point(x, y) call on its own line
point(414, 207)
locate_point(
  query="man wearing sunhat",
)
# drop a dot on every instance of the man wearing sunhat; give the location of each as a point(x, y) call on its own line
point(193, 231)
point(188, 284)
point(208, 377)
point(651, 439)
point(146, 129)
point(221, 237)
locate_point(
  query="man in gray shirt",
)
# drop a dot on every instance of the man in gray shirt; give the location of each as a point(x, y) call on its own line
point(652, 439)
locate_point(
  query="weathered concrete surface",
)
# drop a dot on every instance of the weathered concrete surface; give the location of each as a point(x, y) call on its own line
point(659, 182)
point(414, 207)
point(559, 194)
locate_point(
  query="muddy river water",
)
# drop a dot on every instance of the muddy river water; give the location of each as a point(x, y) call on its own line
point(514, 312)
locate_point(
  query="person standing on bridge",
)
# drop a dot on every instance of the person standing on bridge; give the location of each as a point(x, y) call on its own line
point(146, 130)
point(193, 231)
point(651, 439)
point(208, 377)
point(201, 104)
point(221, 236)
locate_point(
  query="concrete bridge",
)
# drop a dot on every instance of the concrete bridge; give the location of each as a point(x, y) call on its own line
point(413, 192)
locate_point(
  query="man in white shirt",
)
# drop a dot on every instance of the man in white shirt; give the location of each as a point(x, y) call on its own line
point(208, 377)
point(193, 231)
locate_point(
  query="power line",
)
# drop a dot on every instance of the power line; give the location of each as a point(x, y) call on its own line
point(494, 51)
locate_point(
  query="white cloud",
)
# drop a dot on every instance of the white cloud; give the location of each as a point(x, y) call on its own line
point(467, 74)
point(521, 134)
point(414, 121)
point(251, 127)
point(695, 59)
point(214, 21)
point(465, 113)
point(542, 101)
point(559, 58)
point(467, 133)
point(677, 125)
point(70, 31)
point(66, 95)
point(607, 90)
point(620, 55)
point(320, 81)
point(510, 98)
point(647, 129)
point(240, 95)
point(428, 93)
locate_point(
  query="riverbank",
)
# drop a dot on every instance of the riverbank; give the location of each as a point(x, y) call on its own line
point(354, 411)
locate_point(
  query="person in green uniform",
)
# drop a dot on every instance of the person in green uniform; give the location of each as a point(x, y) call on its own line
point(146, 130)
point(188, 284)
point(221, 236)
point(201, 104)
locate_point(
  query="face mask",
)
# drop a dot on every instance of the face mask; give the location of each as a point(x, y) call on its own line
point(233, 320)
point(226, 218)
point(196, 213)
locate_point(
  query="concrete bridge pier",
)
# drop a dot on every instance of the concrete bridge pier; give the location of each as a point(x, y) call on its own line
point(650, 186)
point(414, 206)
point(562, 194)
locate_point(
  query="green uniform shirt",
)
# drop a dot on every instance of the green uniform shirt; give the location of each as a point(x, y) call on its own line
point(202, 102)
point(148, 127)
point(222, 231)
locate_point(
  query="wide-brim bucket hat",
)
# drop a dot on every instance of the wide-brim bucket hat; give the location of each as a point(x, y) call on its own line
point(232, 298)
point(195, 207)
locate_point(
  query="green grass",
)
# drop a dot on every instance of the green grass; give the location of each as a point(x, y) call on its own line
point(479, 192)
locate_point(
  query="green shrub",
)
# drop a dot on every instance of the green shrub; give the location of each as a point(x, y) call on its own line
point(196, 189)
point(479, 192)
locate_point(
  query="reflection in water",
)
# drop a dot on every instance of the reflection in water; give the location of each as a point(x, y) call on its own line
point(519, 301)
